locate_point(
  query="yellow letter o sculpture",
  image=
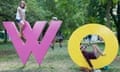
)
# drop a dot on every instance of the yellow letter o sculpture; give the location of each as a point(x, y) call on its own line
point(110, 51)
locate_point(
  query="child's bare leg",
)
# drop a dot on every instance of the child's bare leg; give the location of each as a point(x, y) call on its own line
point(97, 51)
point(53, 43)
point(60, 43)
point(21, 28)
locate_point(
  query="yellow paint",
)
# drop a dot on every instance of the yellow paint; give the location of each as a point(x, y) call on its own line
point(111, 45)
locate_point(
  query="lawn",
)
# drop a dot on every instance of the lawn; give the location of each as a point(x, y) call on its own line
point(56, 60)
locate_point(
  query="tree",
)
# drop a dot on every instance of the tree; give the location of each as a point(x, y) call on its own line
point(116, 19)
point(95, 12)
point(102, 12)
point(7, 12)
point(71, 12)
point(36, 11)
point(110, 4)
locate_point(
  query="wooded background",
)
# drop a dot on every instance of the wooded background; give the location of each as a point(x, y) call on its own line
point(73, 13)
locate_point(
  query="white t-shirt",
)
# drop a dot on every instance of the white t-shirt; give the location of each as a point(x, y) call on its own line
point(94, 38)
point(22, 12)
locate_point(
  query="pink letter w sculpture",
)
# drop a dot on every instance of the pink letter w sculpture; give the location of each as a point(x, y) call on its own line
point(24, 49)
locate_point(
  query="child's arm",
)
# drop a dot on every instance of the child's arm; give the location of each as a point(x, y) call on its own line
point(96, 49)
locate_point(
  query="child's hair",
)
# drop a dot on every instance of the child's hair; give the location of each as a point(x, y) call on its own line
point(22, 2)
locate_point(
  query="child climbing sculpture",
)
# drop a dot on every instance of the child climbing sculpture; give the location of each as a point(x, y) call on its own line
point(20, 17)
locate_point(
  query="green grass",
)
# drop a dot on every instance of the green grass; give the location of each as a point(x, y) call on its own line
point(57, 60)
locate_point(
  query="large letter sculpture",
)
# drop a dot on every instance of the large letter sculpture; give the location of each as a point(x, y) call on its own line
point(24, 49)
point(110, 51)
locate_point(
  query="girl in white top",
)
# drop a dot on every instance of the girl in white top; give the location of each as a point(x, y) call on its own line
point(20, 16)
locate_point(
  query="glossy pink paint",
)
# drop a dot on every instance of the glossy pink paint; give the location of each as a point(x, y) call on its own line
point(24, 49)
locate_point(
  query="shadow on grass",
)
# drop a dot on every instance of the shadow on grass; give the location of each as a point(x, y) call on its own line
point(6, 52)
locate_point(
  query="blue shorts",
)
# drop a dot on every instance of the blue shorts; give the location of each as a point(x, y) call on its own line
point(18, 20)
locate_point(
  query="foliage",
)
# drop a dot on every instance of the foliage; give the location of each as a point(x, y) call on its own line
point(106, 1)
point(73, 13)
point(96, 12)
point(35, 11)
point(7, 10)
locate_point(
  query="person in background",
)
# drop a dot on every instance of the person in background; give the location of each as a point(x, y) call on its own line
point(20, 16)
point(60, 38)
point(54, 40)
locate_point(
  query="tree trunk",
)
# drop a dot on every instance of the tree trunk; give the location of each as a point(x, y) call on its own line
point(118, 34)
point(108, 8)
point(118, 22)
